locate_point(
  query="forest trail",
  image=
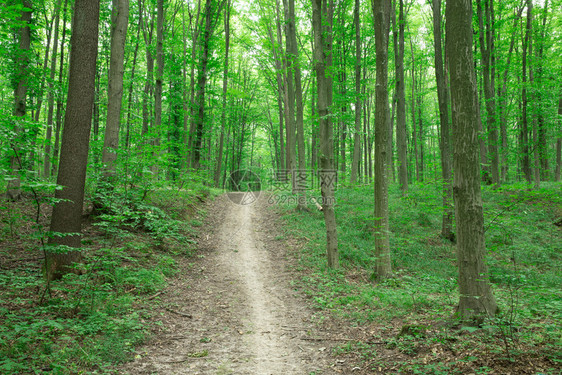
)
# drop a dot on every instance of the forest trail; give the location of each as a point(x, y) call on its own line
point(233, 310)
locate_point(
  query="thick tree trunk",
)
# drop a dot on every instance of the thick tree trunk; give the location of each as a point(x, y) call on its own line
point(358, 100)
point(13, 190)
point(67, 212)
point(322, 16)
point(119, 23)
point(476, 298)
point(443, 99)
point(381, 13)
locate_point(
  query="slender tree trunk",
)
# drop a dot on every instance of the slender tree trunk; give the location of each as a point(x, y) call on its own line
point(322, 16)
point(158, 83)
point(300, 176)
point(503, 99)
point(289, 73)
point(559, 143)
point(119, 23)
point(443, 99)
point(224, 91)
point(413, 109)
point(201, 84)
point(51, 97)
point(476, 298)
point(381, 13)
point(358, 99)
point(13, 190)
point(130, 94)
point(67, 212)
point(60, 101)
point(486, 36)
point(401, 132)
point(524, 119)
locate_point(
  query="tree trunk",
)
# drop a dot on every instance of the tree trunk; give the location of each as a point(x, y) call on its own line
point(358, 100)
point(60, 101)
point(119, 23)
point(559, 143)
point(503, 99)
point(158, 84)
point(524, 120)
point(13, 190)
point(51, 97)
point(322, 16)
point(401, 132)
point(486, 37)
point(476, 298)
point(443, 99)
point(224, 90)
point(299, 176)
point(67, 212)
point(381, 13)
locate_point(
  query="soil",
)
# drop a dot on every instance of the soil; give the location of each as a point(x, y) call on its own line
point(232, 309)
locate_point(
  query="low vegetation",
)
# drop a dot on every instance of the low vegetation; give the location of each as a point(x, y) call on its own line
point(94, 318)
point(406, 324)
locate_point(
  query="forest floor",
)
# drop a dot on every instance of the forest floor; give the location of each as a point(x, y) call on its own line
point(234, 309)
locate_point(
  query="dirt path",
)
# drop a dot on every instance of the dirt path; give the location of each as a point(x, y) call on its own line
point(233, 310)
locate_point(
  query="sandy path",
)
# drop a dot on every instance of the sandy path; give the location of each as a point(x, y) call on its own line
point(246, 319)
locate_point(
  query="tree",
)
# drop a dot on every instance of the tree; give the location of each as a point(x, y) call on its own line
point(322, 16)
point(443, 99)
point(66, 220)
point(13, 191)
point(119, 23)
point(401, 132)
point(357, 133)
point(381, 13)
point(218, 168)
point(476, 298)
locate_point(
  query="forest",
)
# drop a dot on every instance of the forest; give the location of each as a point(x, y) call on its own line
point(409, 151)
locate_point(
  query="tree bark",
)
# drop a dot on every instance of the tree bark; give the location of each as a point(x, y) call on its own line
point(559, 143)
point(322, 16)
point(13, 190)
point(224, 90)
point(119, 23)
point(358, 100)
point(158, 84)
point(67, 212)
point(299, 176)
point(381, 13)
point(51, 97)
point(443, 99)
point(476, 298)
point(486, 37)
point(401, 132)
point(524, 118)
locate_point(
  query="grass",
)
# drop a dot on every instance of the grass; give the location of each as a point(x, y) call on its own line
point(92, 321)
point(525, 259)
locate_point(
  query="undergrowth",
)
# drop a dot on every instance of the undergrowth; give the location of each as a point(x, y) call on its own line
point(524, 255)
point(89, 322)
